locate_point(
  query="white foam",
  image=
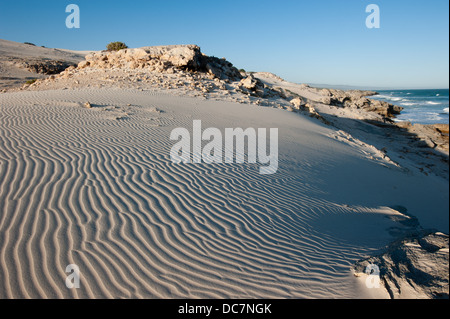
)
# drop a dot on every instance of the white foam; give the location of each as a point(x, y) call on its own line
point(391, 98)
point(408, 103)
point(383, 96)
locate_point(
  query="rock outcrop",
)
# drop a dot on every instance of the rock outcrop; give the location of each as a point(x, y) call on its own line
point(254, 87)
point(415, 267)
point(47, 67)
point(189, 59)
point(435, 136)
point(168, 59)
point(358, 99)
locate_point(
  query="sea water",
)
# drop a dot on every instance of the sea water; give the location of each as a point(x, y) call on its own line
point(420, 106)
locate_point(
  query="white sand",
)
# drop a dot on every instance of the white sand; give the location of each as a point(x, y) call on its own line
point(96, 187)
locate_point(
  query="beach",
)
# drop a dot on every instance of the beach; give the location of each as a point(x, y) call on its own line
point(86, 179)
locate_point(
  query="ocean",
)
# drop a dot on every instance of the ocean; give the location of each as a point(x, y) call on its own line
point(420, 106)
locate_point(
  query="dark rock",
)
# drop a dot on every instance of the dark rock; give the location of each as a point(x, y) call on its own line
point(415, 267)
point(47, 66)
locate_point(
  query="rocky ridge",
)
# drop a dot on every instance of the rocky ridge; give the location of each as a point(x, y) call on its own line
point(185, 66)
point(358, 99)
point(204, 74)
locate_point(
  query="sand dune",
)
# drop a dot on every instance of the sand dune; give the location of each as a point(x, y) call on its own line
point(96, 188)
point(16, 57)
point(86, 178)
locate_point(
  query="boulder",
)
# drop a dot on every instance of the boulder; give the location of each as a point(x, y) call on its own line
point(297, 103)
point(183, 57)
point(249, 83)
point(357, 99)
point(413, 267)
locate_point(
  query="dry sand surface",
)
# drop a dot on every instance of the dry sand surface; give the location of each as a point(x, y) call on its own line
point(15, 59)
point(96, 187)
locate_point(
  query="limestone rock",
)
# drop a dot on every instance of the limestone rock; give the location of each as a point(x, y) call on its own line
point(165, 59)
point(249, 83)
point(297, 103)
point(45, 66)
point(415, 267)
point(358, 99)
point(188, 56)
point(326, 100)
point(83, 64)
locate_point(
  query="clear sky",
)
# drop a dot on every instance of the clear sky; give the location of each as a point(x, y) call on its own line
point(320, 41)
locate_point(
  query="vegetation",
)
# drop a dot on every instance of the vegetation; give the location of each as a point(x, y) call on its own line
point(29, 82)
point(116, 46)
point(29, 43)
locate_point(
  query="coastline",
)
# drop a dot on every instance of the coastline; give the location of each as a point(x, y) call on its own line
point(87, 180)
point(421, 106)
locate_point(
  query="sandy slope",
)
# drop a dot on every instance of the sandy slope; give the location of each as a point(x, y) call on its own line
point(96, 187)
point(11, 48)
point(12, 54)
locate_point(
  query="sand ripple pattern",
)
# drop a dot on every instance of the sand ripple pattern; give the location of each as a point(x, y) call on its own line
point(81, 186)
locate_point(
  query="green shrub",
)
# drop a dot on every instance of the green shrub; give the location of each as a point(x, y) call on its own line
point(29, 82)
point(242, 70)
point(116, 46)
point(29, 43)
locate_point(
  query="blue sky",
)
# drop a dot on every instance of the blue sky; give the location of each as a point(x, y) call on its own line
point(321, 41)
